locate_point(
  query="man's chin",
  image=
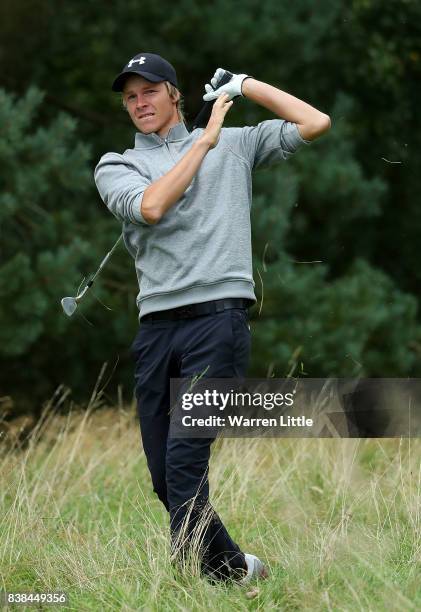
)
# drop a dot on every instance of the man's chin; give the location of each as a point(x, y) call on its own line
point(145, 130)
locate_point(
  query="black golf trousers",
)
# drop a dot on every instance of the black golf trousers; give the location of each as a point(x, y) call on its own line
point(213, 346)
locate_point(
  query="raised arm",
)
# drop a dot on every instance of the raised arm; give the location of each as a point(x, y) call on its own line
point(311, 122)
point(164, 192)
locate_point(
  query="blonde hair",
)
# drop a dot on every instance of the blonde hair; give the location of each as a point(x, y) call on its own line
point(172, 92)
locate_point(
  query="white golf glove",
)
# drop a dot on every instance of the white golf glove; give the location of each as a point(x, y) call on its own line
point(232, 88)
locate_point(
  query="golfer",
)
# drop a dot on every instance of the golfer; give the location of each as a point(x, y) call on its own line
point(184, 202)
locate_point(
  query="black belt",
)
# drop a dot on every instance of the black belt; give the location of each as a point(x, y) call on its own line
point(194, 310)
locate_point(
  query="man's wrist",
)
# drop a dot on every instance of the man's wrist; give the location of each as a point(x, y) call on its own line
point(203, 143)
point(244, 85)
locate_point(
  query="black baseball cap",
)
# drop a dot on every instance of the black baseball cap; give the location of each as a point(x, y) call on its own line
point(148, 65)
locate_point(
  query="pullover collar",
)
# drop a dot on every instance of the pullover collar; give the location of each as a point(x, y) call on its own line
point(178, 131)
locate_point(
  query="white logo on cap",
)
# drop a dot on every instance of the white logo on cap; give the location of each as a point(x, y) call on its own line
point(141, 60)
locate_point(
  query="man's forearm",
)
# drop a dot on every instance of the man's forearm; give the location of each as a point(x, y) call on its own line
point(312, 122)
point(165, 192)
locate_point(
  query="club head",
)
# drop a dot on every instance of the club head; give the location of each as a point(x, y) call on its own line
point(69, 305)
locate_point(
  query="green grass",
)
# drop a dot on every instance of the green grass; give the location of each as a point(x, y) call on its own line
point(337, 521)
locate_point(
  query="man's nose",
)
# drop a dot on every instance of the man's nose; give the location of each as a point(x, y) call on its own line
point(141, 101)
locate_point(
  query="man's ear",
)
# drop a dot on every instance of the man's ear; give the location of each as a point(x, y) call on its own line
point(175, 97)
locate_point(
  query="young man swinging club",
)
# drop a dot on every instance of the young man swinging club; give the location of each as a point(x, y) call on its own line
point(184, 201)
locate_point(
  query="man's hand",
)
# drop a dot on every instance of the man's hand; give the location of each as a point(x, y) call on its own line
point(232, 88)
point(212, 131)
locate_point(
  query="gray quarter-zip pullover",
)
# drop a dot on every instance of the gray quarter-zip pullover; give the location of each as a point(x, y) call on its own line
point(200, 250)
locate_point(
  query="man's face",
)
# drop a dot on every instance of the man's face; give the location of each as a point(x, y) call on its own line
point(149, 105)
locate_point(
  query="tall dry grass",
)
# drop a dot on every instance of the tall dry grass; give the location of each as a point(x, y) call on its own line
point(337, 521)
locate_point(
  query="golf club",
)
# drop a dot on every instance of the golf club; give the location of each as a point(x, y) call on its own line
point(205, 112)
point(69, 304)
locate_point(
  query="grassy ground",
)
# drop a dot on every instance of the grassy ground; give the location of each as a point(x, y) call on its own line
point(337, 521)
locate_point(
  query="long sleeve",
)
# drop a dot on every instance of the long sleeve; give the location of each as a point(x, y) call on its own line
point(268, 142)
point(121, 187)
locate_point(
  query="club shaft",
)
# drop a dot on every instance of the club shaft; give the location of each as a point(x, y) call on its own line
point(104, 261)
